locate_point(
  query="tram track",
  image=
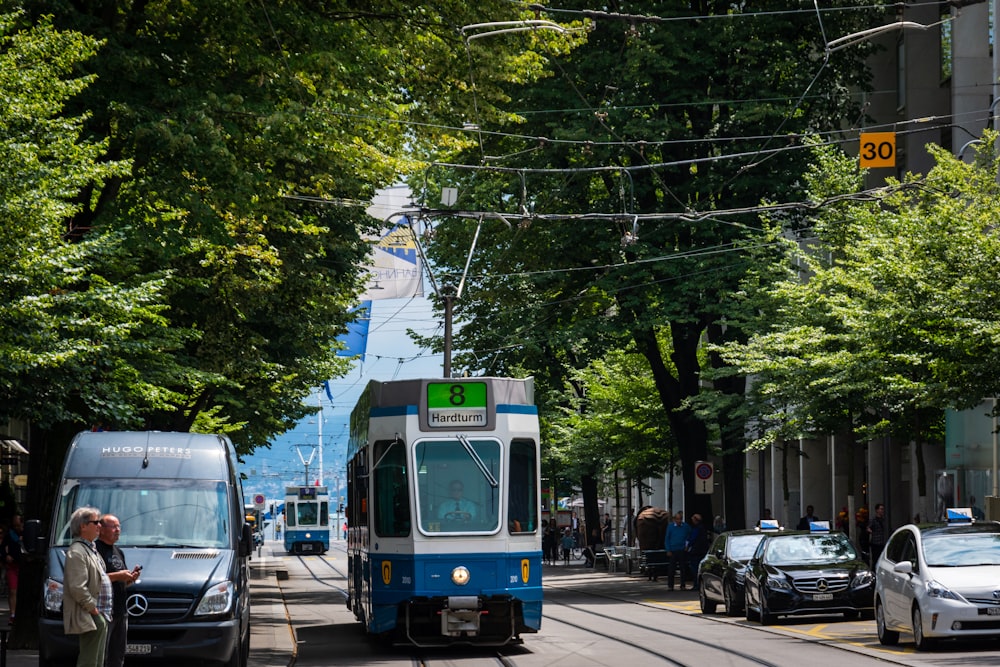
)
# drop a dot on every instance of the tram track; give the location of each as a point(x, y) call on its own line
point(317, 573)
point(714, 643)
point(461, 658)
point(659, 632)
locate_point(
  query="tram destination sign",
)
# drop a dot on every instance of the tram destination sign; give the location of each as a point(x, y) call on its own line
point(457, 405)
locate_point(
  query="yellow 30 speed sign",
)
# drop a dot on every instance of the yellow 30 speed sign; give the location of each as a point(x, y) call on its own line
point(878, 149)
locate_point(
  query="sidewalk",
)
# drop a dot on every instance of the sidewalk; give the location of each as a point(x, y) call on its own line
point(271, 642)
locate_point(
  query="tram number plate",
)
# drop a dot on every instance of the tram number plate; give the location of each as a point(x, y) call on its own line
point(820, 597)
point(992, 611)
point(138, 649)
point(307, 547)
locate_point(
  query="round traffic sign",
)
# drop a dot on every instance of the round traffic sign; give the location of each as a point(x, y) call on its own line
point(703, 470)
point(258, 499)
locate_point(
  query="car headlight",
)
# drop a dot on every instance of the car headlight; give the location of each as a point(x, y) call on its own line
point(777, 581)
point(863, 578)
point(936, 590)
point(217, 600)
point(53, 595)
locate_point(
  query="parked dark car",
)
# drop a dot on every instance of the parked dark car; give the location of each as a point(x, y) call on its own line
point(797, 572)
point(720, 573)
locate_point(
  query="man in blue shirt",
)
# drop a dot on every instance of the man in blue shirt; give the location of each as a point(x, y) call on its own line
point(457, 508)
point(675, 543)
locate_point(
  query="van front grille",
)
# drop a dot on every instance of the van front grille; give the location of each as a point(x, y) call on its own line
point(158, 607)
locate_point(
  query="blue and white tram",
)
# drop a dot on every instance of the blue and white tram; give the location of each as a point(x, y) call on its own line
point(444, 545)
point(307, 519)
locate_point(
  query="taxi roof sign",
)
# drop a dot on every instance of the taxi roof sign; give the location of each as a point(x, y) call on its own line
point(768, 524)
point(819, 526)
point(959, 514)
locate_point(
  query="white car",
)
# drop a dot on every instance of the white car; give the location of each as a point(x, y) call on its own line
point(939, 581)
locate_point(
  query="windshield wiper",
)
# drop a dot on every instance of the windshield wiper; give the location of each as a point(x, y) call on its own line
point(479, 462)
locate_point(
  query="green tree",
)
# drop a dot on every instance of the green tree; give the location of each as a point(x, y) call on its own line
point(235, 120)
point(624, 174)
point(888, 320)
point(211, 222)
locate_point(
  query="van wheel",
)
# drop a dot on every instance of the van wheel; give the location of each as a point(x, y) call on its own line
point(241, 654)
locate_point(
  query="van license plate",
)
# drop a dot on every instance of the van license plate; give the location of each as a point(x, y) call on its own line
point(138, 649)
point(821, 597)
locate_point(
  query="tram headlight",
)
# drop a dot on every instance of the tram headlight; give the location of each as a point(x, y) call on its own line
point(460, 575)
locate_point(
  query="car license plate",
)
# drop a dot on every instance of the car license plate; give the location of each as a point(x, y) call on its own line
point(993, 611)
point(822, 597)
point(138, 649)
point(307, 547)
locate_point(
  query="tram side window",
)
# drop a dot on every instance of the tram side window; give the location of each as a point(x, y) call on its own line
point(360, 513)
point(391, 498)
point(522, 511)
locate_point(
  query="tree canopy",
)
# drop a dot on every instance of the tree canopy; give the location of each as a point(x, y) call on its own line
point(630, 179)
point(886, 317)
point(221, 226)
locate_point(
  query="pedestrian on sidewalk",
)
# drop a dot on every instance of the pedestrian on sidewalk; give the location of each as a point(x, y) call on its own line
point(567, 543)
point(10, 554)
point(676, 543)
point(548, 544)
point(87, 592)
point(121, 577)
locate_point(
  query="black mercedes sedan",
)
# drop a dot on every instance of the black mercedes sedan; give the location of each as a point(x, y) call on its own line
point(797, 573)
point(720, 573)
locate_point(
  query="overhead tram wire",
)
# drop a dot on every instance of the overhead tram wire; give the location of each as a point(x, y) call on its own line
point(635, 142)
point(654, 19)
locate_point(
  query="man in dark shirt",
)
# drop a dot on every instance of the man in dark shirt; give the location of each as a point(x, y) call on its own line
point(120, 576)
point(878, 533)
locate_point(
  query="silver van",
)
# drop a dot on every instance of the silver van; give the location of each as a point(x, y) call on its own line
point(180, 502)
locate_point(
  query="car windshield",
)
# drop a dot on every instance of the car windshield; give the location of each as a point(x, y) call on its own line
point(962, 549)
point(803, 549)
point(741, 547)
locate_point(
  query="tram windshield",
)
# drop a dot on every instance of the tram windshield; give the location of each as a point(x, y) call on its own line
point(305, 513)
point(458, 487)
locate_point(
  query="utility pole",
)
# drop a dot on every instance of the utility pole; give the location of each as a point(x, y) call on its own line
point(448, 295)
point(319, 423)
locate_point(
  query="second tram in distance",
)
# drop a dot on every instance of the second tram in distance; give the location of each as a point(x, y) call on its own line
point(444, 545)
point(307, 519)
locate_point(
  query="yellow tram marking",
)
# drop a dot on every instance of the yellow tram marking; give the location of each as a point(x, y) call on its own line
point(818, 630)
point(680, 606)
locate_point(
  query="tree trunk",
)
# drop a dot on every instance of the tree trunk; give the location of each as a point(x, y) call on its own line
point(733, 434)
point(689, 431)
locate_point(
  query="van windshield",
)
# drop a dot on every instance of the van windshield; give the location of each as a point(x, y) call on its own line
point(153, 513)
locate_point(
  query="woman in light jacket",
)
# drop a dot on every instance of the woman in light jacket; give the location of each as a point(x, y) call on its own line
point(86, 589)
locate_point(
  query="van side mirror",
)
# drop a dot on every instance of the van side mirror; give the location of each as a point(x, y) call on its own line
point(33, 540)
point(246, 541)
